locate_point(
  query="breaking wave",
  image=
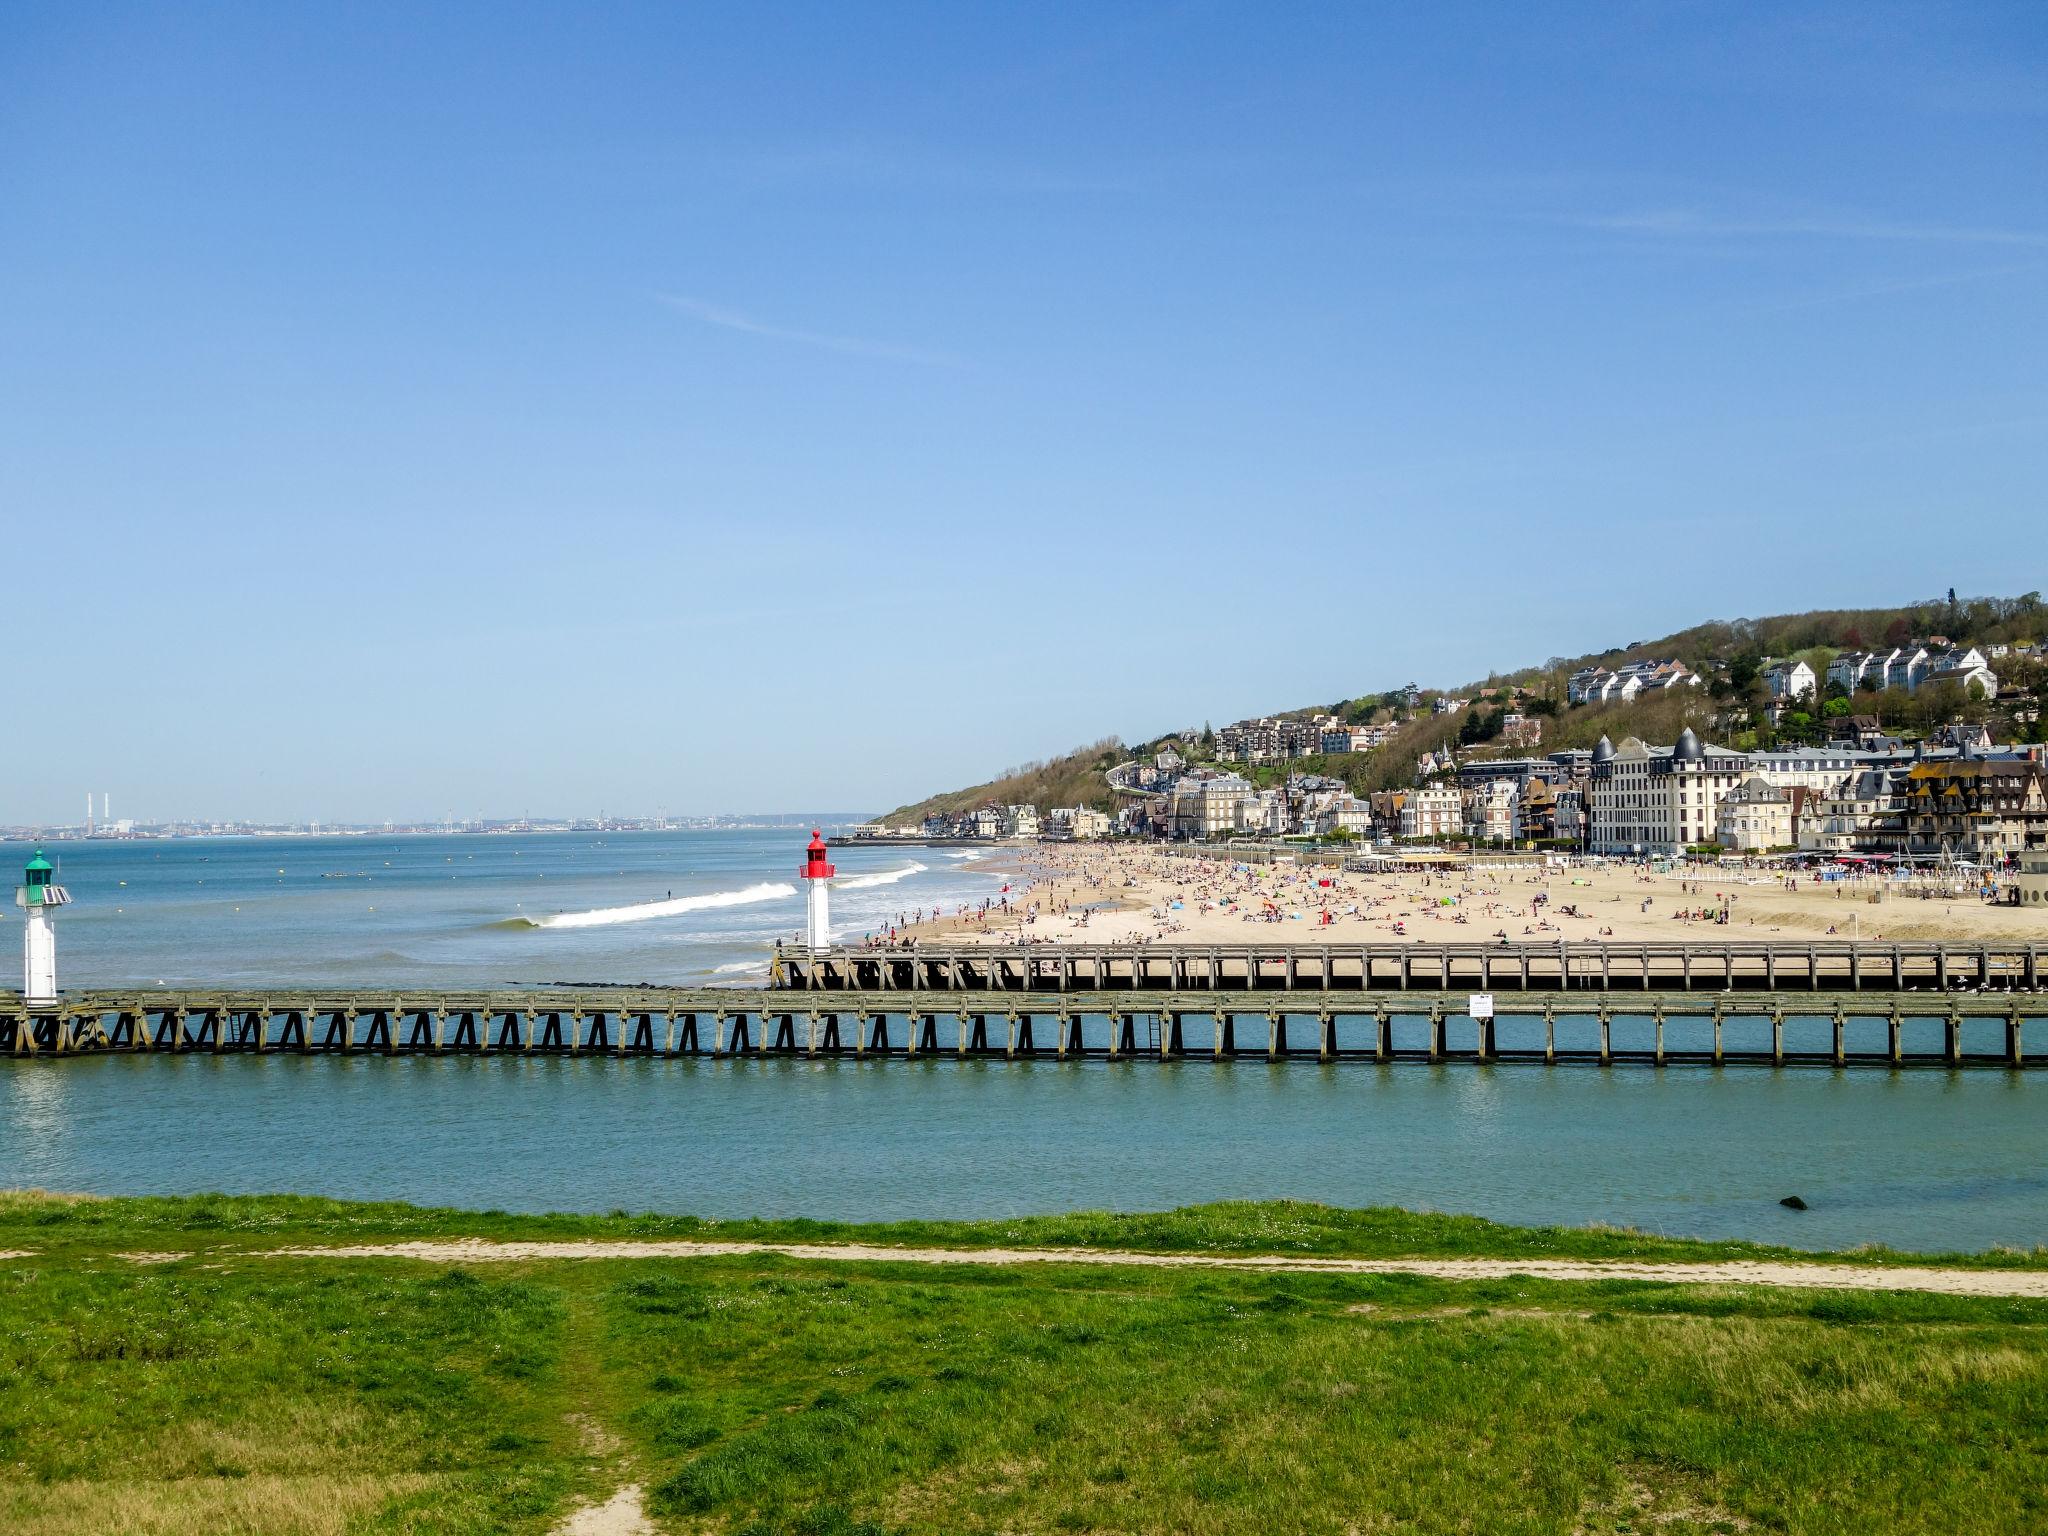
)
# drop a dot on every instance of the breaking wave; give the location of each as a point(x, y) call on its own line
point(739, 967)
point(882, 877)
point(604, 917)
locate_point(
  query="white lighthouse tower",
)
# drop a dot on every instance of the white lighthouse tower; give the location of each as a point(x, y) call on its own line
point(817, 876)
point(36, 896)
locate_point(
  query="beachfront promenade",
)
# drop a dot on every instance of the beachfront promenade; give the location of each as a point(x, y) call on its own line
point(1890, 1029)
point(1564, 966)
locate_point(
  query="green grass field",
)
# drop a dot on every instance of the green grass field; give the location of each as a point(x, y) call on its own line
point(226, 1391)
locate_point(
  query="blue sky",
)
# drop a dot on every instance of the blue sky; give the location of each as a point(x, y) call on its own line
point(495, 408)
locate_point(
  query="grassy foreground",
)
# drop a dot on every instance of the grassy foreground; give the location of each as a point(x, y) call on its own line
point(228, 1391)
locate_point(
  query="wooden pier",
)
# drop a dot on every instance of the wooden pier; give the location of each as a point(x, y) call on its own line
point(1820, 965)
point(1889, 1029)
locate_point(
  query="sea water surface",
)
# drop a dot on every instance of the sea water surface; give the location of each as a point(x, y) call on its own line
point(1919, 1158)
point(676, 908)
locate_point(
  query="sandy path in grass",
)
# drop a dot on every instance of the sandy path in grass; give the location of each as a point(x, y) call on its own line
point(1847, 1277)
point(621, 1515)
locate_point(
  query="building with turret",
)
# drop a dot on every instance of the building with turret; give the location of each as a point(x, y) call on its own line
point(1645, 800)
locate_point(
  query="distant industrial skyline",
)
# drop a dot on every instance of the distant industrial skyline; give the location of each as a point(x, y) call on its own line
point(736, 407)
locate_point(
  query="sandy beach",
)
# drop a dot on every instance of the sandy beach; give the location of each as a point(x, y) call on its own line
point(1101, 893)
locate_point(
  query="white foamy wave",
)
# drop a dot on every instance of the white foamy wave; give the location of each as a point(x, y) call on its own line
point(883, 877)
point(963, 853)
point(639, 913)
point(739, 968)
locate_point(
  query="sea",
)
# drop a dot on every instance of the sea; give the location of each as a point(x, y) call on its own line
point(474, 910)
point(1919, 1158)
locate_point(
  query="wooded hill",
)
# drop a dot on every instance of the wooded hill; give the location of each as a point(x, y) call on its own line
point(1730, 652)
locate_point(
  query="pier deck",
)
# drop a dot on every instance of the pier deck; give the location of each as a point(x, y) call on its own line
point(1661, 1028)
point(1819, 965)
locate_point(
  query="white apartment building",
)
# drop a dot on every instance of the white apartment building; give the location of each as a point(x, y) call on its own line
point(1599, 685)
point(1791, 679)
point(1659, 800)
point(1820, 769)
point(1979, 677)
point(1354, 738)
point(1433, 812)
point(1904, 667)
point(1209, 807)
point(1756, 817)
point(1850, 668)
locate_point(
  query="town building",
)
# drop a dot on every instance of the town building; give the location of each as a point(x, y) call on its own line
point(1344, 813)
point(1077, 823)
point(1524, 731)
point(1659, 800)
point(1755, 817)
point(1493, 813)
point(1790, 679)
point(1536, 809)
point(1435, 811)
point(1600, 685)
point(1846, 820)
point(1209, 806)
point(1985, 809)
point(1816, 768)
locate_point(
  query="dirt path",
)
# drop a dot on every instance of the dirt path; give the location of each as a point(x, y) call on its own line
point(621, 1515)
point(1950, 1282)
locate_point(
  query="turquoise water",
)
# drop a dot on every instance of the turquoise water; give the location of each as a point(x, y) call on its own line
point(1920, 1159)
point(462, 910)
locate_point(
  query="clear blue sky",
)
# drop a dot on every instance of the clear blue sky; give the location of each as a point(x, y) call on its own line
point(494, 408)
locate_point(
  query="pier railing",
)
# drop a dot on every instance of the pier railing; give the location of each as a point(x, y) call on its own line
point(1567, 966)
point(1891, 1029)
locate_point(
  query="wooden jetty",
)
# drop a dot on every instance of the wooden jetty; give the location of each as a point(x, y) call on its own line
point(1756, 965)
point(1889, 1029)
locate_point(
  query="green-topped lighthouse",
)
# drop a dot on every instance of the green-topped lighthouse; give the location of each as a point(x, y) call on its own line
point(37, 895)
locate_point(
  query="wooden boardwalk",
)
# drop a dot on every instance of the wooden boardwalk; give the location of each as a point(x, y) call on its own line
point(1820, 965)
point(1883, 1029)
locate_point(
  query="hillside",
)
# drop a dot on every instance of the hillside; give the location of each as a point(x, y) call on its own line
point(1072, 779)
point(1729, 651)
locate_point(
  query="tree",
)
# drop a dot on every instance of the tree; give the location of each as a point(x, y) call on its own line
point(1835, 708)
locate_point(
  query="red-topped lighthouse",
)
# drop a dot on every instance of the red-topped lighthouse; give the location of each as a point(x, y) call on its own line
point(817, 877)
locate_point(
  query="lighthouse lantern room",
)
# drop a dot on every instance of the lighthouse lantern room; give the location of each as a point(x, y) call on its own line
point(37, 896)
point(817, 877)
